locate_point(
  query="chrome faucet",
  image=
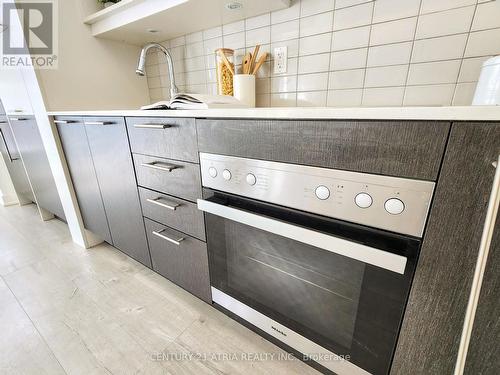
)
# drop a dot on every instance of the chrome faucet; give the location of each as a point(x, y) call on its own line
point(142, 62)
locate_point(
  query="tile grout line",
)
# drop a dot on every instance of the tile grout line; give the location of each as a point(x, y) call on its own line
point(366, 58)
point(463, 54)
point(411, 55)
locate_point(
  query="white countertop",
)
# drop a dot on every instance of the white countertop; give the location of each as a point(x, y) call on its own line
point(469, 113)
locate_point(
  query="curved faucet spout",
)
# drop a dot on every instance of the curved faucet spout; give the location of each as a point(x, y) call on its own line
point(142, 63)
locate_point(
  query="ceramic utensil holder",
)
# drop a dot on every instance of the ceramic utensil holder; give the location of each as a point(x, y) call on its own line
point(244, 89)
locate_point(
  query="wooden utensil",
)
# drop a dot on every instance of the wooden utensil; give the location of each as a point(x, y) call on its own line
point(246, 63)
point(254, 56)
point(226, 62)
point(259, 63)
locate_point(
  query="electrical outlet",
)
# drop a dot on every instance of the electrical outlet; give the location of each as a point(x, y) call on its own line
point(280, 60)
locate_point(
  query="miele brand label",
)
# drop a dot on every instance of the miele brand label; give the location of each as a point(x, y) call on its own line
point(278, 330)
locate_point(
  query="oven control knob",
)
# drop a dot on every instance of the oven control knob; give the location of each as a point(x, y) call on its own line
point(363, 200)
point(322, 192)
point(251, 179)
point(226, 174)
point(212, 172)
point(394, 206)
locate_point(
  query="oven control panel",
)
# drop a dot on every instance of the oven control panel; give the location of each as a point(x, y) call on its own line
point(397, 204)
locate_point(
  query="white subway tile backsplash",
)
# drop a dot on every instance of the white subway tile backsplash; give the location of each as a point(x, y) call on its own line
point(393, 31)
point(429, 6)
point(212, 33)
point(383, 96)
point(348, 3)
point(287, 14)
point(284, 99)
point(194, 49)
point(386, 76)
point(234, 27)
point(258, 36)
point(389, 54)
point(471, 68)
point(312, 82)
point(344, 98)
point(310, 7)
point(347, 52)
point(315, 44)
point(194, 37)
point(482, 43)
point(211, 45)
point(346, 79)
point(318, 24)
point(259, 21)
point(285, 31)
point(442, 48)
point(487, 16)
point(454, 21)
point(311, 99)
point(355, 16)
point(234, 41)
point(464, 93)
point(350, 59)
point(434, 72)
point(314, 63)
point(284, 84)
point(350, 38)
point(429, 95)
point(387, 10)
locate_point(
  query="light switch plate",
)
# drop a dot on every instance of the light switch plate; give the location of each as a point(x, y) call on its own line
point(280, 60)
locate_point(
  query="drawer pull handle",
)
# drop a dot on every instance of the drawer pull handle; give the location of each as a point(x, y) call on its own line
point(3, 122)
point(157, 201)
point(98, 123)
point(152, 126)
point(174, 241)
point(64, 121)
point(161, 166)
point(18, 119)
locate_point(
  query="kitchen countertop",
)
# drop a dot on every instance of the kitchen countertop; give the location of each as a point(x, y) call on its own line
point(468, 113)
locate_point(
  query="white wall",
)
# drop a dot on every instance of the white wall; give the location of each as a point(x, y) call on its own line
point(92, 73)
point(350, 52)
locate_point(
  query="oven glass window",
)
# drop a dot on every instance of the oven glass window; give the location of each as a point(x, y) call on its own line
point(347, 306)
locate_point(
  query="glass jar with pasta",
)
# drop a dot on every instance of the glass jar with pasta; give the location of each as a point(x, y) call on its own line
point(225, 70)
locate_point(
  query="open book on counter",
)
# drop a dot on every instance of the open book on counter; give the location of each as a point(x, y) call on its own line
point(196, 101)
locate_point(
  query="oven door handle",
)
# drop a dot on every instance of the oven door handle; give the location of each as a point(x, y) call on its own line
point(383, 259)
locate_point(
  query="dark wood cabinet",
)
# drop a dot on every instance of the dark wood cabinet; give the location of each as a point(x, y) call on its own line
point(81, 166)
point(37, 165)
point(432, 326)
point(396, 148)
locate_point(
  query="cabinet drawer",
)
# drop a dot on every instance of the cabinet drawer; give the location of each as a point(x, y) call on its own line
point(169, 176)
point(180, 258)
point(174, 212)
point(173, 138)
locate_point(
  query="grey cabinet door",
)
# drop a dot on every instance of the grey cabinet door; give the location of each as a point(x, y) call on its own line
point(13, 161)
point(37, 165)
point(115, 173)
point(433, 322)
point(79, 159)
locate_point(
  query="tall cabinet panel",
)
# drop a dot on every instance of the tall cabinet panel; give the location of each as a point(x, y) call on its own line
point(12, 159)
point(115, 172)
point(37, 164)
point(432, 326)
point(79, 159)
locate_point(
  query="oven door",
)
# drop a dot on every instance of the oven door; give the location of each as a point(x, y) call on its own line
point(320, 285)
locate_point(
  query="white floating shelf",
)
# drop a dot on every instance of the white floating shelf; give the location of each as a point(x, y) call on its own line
point(130, 20)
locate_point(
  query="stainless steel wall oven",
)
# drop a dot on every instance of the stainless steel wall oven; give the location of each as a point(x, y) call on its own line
point(320, 259)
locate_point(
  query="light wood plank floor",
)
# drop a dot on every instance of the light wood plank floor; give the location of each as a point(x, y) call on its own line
point(67, 310)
